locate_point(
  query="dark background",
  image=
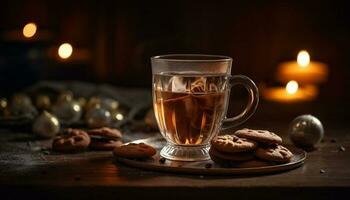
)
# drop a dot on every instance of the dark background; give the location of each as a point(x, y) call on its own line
point(118, 38)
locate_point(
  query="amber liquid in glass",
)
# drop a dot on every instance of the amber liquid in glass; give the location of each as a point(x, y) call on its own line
point(189, 107)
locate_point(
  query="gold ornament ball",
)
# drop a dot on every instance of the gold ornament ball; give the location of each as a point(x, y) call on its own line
point(22, 105)
point(3, 103)
point(46, 125)
point(4, 111)
point(92, 103)
point(82, 102)
point(21, 99)
point(109, 104)
point(43, 102)
point(65, 96)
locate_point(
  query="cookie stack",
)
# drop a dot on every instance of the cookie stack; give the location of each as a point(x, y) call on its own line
point(249, 148)
point(105, 138)
point(75, 140)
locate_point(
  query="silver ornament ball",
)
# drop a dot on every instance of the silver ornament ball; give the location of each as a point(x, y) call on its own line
point(306, 130)
point(46, 125)
point(98, 117)
point(67, 111)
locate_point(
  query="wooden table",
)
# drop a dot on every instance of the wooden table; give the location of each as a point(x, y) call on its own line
point(27, 170)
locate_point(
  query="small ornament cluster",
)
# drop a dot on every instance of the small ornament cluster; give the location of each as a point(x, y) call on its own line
point(49, 115)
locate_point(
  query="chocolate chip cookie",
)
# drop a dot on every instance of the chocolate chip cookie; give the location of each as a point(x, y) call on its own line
point(105, 138)
point(75, 140)
point(277, 153)
point(232, 144)
point(261, 136)
point(134, 151)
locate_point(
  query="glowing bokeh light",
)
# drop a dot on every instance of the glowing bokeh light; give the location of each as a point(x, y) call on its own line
point(29, 30)
point(292, 87)
point(65, 50)
point(303, 58)
point(119, 116)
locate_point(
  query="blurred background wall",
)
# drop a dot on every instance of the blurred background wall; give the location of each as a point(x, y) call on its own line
point(113, 40)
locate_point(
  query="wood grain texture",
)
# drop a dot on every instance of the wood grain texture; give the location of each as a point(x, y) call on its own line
point(26, 170)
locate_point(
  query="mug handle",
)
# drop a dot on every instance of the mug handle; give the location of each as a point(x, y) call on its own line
point(252, 102)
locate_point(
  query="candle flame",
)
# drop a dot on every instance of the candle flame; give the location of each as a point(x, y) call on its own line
point(303, 58)
point(65, 50)
point(29, 30)
point(292, 87)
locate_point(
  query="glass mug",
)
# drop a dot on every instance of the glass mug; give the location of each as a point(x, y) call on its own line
point(190, 100)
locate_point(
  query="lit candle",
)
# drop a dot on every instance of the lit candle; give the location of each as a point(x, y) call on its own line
point(303, 70)
point(290, 93)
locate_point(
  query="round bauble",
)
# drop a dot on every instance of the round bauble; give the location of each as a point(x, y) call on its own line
point(46, 125)
point(98, 117)
point(67, 111)
point(306, 131)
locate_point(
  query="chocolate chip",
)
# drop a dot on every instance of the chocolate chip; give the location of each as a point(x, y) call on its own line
point(333, 140)
point(322, 171)
point(235, 138)
point(162, 160)
point(322, 141)
point(341, 148)
point(77, 178)
point(208, 165)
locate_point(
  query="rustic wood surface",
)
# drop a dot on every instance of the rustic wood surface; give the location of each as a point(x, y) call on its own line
point(27, 168)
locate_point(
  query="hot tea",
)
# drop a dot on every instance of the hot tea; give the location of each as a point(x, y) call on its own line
point(189, 107)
